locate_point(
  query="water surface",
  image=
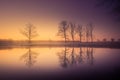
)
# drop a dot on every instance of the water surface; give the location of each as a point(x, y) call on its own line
point(42, 62)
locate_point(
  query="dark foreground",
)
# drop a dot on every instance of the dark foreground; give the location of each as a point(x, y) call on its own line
point(72, 75)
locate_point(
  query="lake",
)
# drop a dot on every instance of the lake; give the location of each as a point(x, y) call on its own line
point(59, 63)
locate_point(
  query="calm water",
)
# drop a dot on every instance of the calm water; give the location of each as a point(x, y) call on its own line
point(59, 61)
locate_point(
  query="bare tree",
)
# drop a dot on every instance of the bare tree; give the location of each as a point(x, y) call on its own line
point(72, 30)
point(118, 40)
point(62, 30)
point(104, 40)
point(79, 31)
point(89, 32)
point(112, 40)
point(29, 32)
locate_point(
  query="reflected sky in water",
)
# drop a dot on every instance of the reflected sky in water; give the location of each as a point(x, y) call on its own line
point(56, 60)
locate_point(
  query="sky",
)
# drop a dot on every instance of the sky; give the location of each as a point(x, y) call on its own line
point(47, 14)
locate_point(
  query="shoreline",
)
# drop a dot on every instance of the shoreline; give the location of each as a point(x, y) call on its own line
point(74, 44)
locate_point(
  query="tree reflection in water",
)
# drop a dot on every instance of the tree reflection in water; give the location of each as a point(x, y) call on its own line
point(80, 56)
point(29, 57)
point(72, 57)
point(90, 58)
point(63, 57)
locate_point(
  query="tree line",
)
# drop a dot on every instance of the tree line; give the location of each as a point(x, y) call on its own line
point(66, 30)
point(69, 31)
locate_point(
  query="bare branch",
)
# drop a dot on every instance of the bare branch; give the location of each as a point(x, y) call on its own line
point(29, 32)
point(62, 29)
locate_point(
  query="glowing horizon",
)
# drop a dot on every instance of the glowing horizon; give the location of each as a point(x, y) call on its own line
point(43, 34)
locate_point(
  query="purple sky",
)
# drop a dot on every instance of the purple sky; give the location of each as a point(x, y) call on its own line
point(16, 13)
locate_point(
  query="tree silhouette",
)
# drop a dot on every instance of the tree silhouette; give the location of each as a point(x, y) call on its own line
point(104, 40)
point(112, 39)
point(118, 40)
point(62, 30)
point(72, 28)
point(79, 31)
point(29, 32)
point(89, 32)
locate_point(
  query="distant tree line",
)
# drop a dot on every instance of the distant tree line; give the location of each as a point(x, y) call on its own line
point(111, 40)
point(69, 31)
point(5, 42)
